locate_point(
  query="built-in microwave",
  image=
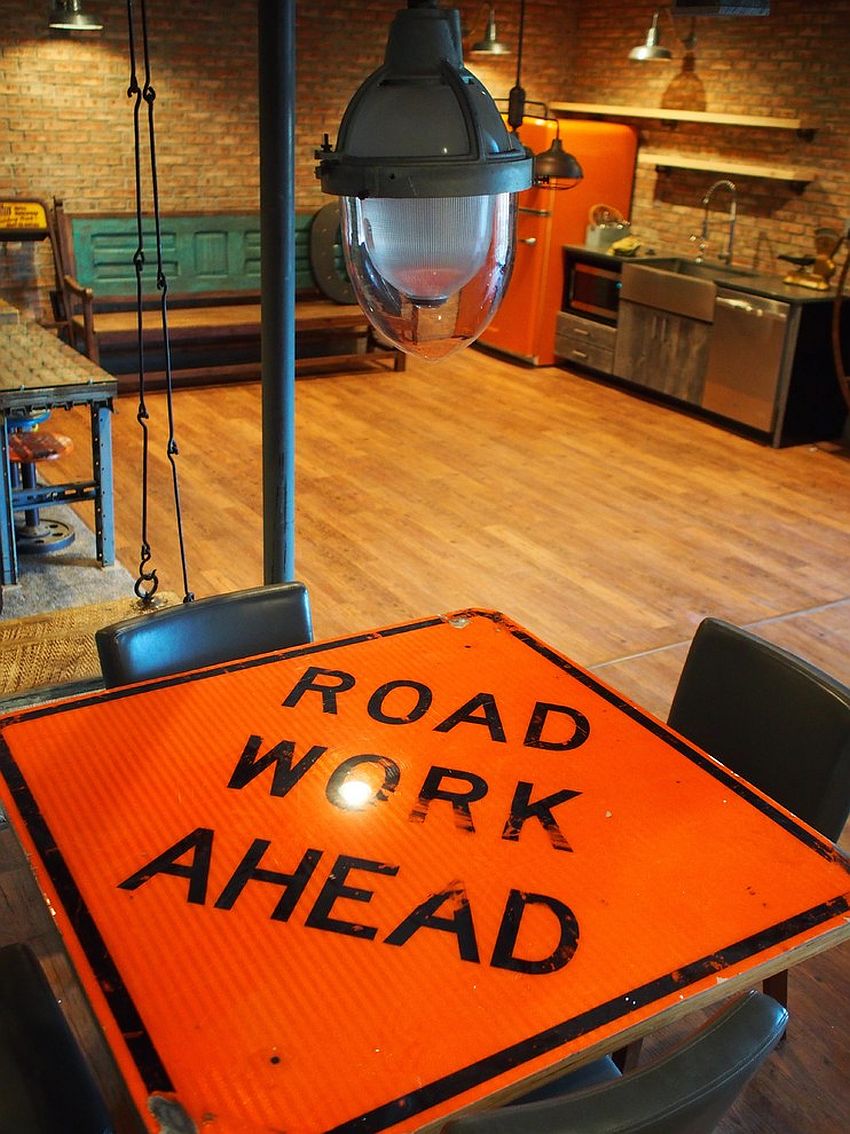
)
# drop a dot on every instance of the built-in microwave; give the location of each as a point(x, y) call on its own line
point(591, 286)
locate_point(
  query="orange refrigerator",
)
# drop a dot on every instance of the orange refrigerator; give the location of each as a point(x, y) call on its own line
point(524, 325)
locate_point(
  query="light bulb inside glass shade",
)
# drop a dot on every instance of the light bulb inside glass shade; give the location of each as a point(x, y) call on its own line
point(428, 247)
point(429, 272)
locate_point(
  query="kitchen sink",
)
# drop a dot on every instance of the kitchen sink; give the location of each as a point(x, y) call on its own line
point(706, 270)
point(668, 289)
point(678, 285)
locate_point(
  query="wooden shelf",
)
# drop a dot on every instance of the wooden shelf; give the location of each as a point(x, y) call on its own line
point(719, 164)
point(663, 114)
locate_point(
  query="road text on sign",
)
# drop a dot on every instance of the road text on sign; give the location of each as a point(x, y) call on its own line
point(279, 770)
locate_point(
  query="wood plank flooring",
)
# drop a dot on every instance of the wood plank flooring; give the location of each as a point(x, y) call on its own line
point(608, 525)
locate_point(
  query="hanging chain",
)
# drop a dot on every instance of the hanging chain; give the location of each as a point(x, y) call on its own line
point(147, 582)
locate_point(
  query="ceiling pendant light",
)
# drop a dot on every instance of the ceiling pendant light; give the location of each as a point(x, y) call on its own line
point(556, 165)
point(552, 165)
point(68, 15)
point(651, 49)
point(490, 44)
point(427, 173)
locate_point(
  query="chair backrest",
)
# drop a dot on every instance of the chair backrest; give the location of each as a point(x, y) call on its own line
point(687, 1091)
point(771, 717)
point(206, 632)
point(46, 1086)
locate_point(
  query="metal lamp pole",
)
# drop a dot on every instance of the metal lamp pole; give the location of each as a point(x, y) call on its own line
point(276, 27)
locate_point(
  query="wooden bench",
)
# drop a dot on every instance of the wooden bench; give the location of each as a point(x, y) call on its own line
point(212, 265)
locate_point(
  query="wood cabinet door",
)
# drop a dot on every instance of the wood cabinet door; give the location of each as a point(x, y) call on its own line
point(662, 351)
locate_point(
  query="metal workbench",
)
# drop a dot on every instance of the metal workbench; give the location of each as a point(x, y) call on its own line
point(39, 372)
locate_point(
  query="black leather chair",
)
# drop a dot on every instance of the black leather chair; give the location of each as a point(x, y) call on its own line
point(46, 1086)
point(206, 632)
point(773, 718)
point(686, 1091)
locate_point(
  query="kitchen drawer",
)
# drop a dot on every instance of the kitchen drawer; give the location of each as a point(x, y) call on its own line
point(585, 330)
point(570, 349)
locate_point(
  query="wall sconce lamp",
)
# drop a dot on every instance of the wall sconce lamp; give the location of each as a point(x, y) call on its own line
point(427, 174)
point(652, 49)
point(490, 44)
point(68, 15)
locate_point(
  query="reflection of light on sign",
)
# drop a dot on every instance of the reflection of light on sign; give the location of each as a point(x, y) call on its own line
point(355, 793)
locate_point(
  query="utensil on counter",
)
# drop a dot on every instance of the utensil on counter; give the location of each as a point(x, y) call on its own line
point(605, 225)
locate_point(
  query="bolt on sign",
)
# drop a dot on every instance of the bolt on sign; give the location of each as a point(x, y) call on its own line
point(364, 884)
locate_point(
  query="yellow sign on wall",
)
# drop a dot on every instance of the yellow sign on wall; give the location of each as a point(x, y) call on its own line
point(21, 217)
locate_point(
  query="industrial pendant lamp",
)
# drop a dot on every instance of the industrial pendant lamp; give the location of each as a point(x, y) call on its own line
point(427, 174)
point(651, 49)
point(68, 15)
point(555, 164)
point(490, 44)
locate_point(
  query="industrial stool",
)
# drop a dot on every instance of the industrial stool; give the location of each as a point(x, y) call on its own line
point(27, 446)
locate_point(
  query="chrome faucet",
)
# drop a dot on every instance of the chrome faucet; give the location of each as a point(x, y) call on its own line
point(726, 256)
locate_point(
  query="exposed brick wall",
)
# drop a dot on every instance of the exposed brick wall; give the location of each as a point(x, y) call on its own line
point(66, 121)
point(793, 63)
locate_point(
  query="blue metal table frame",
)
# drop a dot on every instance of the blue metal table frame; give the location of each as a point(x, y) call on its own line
point(39, 372)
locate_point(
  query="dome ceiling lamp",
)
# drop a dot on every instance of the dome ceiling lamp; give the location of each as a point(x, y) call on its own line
point(652, 50)
point(68, 15)
point(490, 44)
point(554, 166)
point(428, 175)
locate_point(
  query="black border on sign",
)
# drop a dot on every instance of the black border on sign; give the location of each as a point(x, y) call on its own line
point(139, 1042)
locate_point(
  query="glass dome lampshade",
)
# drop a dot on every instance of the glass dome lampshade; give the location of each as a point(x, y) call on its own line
point(427, 174)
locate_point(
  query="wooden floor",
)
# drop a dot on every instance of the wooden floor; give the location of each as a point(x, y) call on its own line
point(608, 525)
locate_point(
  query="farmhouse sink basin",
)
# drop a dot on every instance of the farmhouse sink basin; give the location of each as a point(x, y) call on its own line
point(678, 285)
point(706, 270)
point(667, 289)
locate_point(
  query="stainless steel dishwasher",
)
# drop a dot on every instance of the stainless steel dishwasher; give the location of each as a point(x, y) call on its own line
point(745, 358)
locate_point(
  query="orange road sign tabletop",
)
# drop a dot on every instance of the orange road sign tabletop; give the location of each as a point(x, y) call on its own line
point(363, 884)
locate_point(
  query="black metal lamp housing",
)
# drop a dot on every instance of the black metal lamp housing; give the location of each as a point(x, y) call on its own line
point(556, 165)
point(427, 173)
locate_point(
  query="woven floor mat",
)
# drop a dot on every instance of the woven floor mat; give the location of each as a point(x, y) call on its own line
point(50, 649)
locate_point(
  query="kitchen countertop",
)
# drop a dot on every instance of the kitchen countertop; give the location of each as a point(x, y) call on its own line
point(771, 287)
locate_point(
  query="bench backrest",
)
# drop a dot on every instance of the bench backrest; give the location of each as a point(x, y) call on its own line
point(201, 253)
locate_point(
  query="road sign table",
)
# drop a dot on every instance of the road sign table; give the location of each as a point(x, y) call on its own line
point(363, 884)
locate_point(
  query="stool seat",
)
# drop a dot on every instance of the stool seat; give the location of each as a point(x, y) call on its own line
point(37, 535)
point(35, 445)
